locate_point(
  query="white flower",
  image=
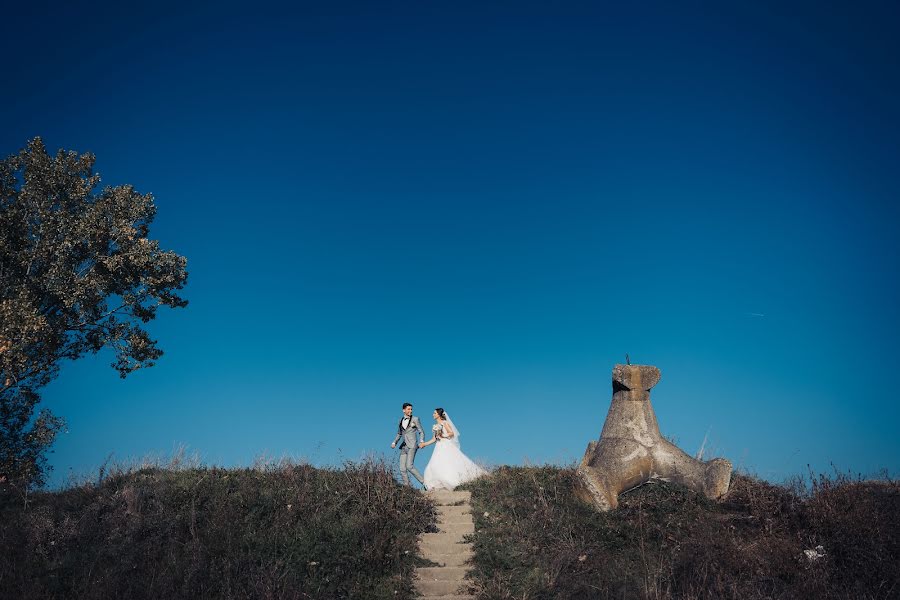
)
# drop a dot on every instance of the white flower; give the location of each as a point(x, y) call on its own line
point(815, 554)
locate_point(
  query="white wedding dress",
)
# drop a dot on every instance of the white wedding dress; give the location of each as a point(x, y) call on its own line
point(448, 466)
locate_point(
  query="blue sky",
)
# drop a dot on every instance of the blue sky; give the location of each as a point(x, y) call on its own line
point(484, 206)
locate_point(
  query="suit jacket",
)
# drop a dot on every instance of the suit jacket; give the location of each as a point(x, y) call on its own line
point(409, 434)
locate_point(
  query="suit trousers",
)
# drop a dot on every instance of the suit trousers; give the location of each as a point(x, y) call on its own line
point(407, 456)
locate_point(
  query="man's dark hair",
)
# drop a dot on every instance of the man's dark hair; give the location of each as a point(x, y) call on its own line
point(405, 404)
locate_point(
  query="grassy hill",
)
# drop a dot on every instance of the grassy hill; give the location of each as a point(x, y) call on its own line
point(292, 531)
point(536, 540)
point(295, 531)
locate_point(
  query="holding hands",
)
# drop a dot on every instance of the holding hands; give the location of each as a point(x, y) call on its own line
point(437, 430)
point(440, 430)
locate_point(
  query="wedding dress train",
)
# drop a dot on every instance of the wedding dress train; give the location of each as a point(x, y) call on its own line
point(449, 467)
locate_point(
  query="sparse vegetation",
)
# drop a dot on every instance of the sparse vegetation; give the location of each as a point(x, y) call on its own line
point(535, 540)
point(275, 531)
point(295, 531)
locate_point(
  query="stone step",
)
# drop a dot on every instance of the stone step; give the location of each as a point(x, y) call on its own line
point(448, 498)
point(441, 573)
point(448, 548)
point(458, 559)
point(463, 511)
point(434, 540)
point(439, 588)
point(464, 520)
point(457, 529)
point(455, 520)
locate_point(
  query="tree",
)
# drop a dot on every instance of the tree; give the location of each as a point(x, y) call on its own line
point(77, 274)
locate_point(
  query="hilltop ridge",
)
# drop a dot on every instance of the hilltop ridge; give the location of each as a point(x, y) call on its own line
point(294, 531)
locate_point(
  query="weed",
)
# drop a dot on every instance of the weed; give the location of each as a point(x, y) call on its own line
point(535, 540)
point(278, 530)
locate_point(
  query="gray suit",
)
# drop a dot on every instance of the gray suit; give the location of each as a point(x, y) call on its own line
point(409, 446)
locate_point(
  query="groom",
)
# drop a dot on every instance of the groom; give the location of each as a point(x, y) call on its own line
point(409, 428)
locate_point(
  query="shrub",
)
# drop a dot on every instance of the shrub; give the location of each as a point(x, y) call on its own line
point(535, 540)
point(288, 531)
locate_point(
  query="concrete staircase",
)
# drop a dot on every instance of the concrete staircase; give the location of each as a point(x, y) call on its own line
point(447, 548)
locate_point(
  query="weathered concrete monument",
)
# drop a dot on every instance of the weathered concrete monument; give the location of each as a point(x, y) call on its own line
point(631, 450)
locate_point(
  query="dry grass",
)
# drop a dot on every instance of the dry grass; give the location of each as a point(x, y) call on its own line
point(278, 530)
point(535, 540)
point(281, 529)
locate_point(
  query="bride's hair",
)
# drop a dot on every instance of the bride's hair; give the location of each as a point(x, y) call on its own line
point(441, 413)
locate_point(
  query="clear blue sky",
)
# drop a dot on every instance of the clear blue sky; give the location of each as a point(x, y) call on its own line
point(483, 206)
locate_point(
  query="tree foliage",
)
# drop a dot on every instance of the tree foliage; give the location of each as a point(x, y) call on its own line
point(77, 273)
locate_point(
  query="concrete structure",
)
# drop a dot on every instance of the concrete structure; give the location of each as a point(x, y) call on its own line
point(448, 548)
point(632, 451)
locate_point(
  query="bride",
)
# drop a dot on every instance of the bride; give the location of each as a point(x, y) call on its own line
point(448, 466)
